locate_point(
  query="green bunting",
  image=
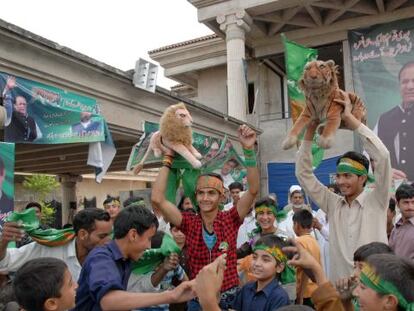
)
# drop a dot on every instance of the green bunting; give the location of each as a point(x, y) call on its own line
point(48, 237)
point(153, 257)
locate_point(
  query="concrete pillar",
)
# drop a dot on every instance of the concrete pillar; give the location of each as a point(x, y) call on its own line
point(68, 186)
point(235, 25)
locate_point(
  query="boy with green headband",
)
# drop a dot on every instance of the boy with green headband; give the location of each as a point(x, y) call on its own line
point(386, 283)
point(357, 217)
point(268, 266)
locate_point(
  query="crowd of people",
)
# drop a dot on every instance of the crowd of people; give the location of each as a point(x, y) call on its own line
point(354, 250)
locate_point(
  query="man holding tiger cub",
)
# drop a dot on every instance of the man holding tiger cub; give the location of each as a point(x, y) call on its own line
point(357, 216)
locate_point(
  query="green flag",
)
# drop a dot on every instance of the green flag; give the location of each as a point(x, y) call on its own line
point(296, 57)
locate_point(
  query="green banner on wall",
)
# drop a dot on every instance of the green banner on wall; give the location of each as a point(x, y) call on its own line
point(6, 180)
point(43, 114)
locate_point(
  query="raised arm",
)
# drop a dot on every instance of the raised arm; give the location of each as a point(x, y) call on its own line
point(376, 150)
point(304, 171)
point(168, 210)
point(247, 138)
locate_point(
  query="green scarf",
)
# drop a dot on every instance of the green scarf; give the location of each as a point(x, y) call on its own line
point(288, 274)
point(48, 237)
point(152, 258)
point(372, 280)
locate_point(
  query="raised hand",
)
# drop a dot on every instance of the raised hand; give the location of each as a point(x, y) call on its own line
point(247, 136)
point(12, 231)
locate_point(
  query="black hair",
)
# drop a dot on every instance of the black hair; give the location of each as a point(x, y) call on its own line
point(33, 204)
point(304, 218)
point(38, 280)
point(133, 199)
point(271, 240)
point(356, 156)
point(396, 270)
point(134, 217)
point(364, 251)
point(236, 185)
point(405, 191)
point(86, 218)
point(405, 66)
point(66, 226)
point(391, 205)
point(232, 160)
point(156, 240)
point(265, 201)
point(180, 205)
point(109, 200)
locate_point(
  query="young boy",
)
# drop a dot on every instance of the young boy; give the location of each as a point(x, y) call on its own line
point(268, 263)
point(401, 239)
point(302, 225)
point(45, 284)
point(105, 273)
point(386, 283)
point(346, 286)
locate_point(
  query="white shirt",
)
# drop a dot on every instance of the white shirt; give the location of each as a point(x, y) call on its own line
point(16, 257)
point(249, 224)
point(362, 222)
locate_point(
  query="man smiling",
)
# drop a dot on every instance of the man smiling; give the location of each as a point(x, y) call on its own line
point(357, 217)
point(211, 232)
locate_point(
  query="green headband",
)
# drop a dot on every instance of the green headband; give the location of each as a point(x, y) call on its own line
point(136, 204)
point(347, 165)
point(372, 280)
point(281, 215)
point(288, 274)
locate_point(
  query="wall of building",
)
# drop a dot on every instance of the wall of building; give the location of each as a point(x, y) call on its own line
point(212, 89)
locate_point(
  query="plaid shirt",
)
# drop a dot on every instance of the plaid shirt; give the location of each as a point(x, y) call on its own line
point(226, 226)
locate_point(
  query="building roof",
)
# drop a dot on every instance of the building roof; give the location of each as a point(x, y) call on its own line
point(184, 43)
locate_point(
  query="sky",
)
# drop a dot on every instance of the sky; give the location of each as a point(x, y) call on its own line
point(117, 33)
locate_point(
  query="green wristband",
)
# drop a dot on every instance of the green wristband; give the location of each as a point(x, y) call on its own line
point(249, 153)
point(249, 158)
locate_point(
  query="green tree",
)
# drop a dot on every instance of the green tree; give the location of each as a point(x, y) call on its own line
point(41, 186)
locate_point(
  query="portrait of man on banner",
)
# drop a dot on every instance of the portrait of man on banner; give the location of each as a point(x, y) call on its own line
point(87, 126)
point(395, 127)
point(19, 125)
point(383, 76)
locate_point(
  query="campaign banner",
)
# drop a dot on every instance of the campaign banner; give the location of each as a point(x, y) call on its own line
point(383, 76)
point(219, 156)
point(43, 114)
point(207, 146)
point(6, 181)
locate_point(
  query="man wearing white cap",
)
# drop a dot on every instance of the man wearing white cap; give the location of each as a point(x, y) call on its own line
point(296, 203)
point(296, 200)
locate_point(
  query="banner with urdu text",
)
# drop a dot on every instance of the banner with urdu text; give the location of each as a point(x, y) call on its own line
point(383, 76)
point(42, 114)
